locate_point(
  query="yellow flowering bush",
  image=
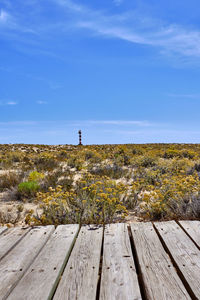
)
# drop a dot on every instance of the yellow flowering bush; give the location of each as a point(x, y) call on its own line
point(167, 196)
point(93, 201)
point(159, 180)
point(35, 176)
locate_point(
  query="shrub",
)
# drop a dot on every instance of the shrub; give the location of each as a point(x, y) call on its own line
point(92, 156)
point(146, 161)
point(45, 162)
point(75, 162)
point(91, 202)
point(171, 153)
point(27, 189)
point(58, 177)
point(35, 176)
point(9, 180)
point(112, 171)
point(136, 151)
point(173, 197)
point(188, 154)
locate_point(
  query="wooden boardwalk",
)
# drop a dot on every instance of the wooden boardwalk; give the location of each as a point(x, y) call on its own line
point(138, 261)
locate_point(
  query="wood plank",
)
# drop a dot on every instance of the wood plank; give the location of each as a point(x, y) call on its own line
point(184, 252)
point(41, 278)
point(10, 238)
point(3, 229)
point(119, 278)
point(14, 265)
point(79, 280)
point(160, 278)
point(193, 230)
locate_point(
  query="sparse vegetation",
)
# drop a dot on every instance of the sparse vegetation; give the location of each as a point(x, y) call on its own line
point(82, 184)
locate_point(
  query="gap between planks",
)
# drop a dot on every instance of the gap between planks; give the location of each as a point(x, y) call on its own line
point(97, 294)
point(42, 277)
point(183, 253)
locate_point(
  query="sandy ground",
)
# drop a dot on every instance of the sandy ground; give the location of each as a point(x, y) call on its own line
point(11, 214)
point(14, 212)
point(132, 218)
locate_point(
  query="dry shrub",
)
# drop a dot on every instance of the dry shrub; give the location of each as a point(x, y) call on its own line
point(9, 180)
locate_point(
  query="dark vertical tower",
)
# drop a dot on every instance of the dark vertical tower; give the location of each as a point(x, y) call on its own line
point(80, 137)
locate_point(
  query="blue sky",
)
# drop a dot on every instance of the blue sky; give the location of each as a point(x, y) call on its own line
point(122, 71)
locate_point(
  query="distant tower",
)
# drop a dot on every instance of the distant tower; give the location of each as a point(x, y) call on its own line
point(80, 142)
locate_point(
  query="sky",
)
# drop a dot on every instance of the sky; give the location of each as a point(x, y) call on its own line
point(122, 71)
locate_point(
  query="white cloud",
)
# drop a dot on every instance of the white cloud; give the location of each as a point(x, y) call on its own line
point(71, 5)
point(86, 123)
point(16, 123)
point(3, 103)
point(11, 103)
point(187, 96)
point(41, 102)
point(117, 2)
point(136, 28)
point(4, 17)
point(119, 122)
point(131, 26)
point(62, 132)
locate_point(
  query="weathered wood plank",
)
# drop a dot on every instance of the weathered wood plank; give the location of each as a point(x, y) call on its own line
point(79, 280)
point(160, 278)
point(41, 278)
point(10, 238)
point(184, 252)
point(193, 230)
point(14, 265)
point(3, 229)
point(119, 278)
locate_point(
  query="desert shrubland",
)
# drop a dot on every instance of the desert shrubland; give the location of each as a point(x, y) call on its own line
point(100, 183)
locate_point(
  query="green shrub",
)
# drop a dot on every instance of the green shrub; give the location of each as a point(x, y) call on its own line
point(27, 189)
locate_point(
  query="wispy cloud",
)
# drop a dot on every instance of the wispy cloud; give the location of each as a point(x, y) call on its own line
point(131, 26)
point(119, 122)
point(117, 2)
point(19, 123)
point(9, 103)
point(84, 122)
point(41, 102)
point(59, 132)
point(136, 28)
point(185, 96)
point(73, 6)
point(4, 17)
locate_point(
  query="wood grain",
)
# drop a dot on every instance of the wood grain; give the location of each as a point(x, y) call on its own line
point(79, 280)
point(41, 278)
point(160, 278)
point(3, 229)
point(10, 238)
point(193, 230)
point(119, 278)
point(184, 252)
point(14, 265)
